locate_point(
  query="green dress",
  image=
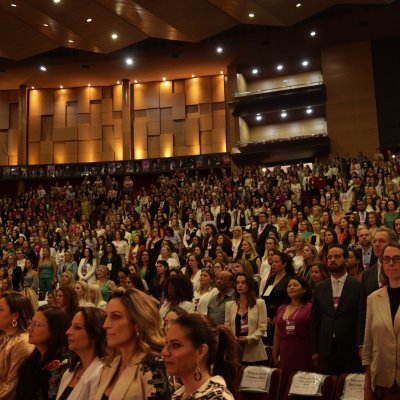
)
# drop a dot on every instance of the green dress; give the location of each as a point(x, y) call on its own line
point(46, 275)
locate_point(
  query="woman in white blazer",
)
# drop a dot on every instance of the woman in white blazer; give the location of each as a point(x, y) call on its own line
point(87, 343)
point(87, 267)
point(381, 350)
point(247, 317)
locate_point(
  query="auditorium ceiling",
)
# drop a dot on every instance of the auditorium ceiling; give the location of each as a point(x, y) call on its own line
point(77, 42)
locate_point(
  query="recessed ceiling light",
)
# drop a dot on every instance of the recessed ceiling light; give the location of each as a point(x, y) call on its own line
point(61, 87)
point(43, 68)
point(56, 1)
point(32, 87)
point(193, 75)
point(313, 33)
point(89, 20)
point(251, 15)
point(13, 5)
point(258, 117)
point(118, 82)
point(283, 114)
point(254, 71)
point(221, 72)
point(220, 49)
point(164, 78)
point(279, 67)
point(46, 25)
point(70, 41)
point(305, 63)
point(89, 84)
point(309, 110)
point(114, 36)
point(298, 5)
point(135, 81)
point(285, 81)
point(129, 61)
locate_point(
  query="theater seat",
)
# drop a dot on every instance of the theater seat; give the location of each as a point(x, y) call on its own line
point(273, 388)
point(327, 390)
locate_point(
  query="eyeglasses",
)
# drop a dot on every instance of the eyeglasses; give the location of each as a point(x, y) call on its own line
point(388, 260)
point(36, 324)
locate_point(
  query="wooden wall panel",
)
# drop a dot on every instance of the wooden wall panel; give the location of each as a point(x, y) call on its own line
point(34, 153)
point(117, 98)
point(95, 114)
point(153, 146)
point(83, 97)
point(4, 109)
point(192, 132)
point(72, 117)
point(218, 88)
point(179, 133)
point(349, 80)
point(96, 92)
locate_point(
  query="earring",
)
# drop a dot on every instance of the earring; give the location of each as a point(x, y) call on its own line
point(14, 323)
point(197, 374)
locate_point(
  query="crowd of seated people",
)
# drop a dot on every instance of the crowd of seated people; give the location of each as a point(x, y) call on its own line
point(283, 256)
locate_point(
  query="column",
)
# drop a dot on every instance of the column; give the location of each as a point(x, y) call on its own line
point(126, 120)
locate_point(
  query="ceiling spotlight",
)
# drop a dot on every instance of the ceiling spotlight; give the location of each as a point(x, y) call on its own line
point(305, 63)
point(164, 78)
point(118, 82)
point(43, 68)
point(13, 5)
point(46, 25)
point(298, 5)
point(254, 71)
point(89, 20)
point(129, 61)
point(221, 72)
point(193, 75)
point(70, 41)
point(309, 110)
point(114, 36)
point(32, 87)
point(313, 33)
point(258, 117)
point(89, 84)
point(283, 114)
point(135, 81)
point(285, 81)
point(61, 87)
point(56, 1)
point(251, 15)
point(220, 49)
point(279, 67)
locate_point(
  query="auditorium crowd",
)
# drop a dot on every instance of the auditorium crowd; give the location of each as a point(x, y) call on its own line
point(113, 291)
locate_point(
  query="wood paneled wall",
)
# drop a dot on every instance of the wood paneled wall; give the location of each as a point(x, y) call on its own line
point(75, 125)
point(179, 118)
point(9, 125)
point(351, 105)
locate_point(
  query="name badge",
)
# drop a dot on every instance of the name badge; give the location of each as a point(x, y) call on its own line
point(335, 301)
point(222, 220)
point(290, 327)
point(109, 266)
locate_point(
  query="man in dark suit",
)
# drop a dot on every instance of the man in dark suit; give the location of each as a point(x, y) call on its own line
point(261, 233)
point(365, 243)
point(362, 214)
point(370, 279)
point(333, 318)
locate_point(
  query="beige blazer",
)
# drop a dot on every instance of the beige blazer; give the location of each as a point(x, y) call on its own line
point(144, 378)
point(381, 350)
point(254, 350)
point(86, 386)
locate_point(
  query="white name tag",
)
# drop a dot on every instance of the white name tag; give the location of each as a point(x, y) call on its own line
point(268, 290)
point(256, 379)
point(307, 384)
point(353, 387)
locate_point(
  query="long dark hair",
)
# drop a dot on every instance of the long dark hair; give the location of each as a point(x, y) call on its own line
point(58, 323)
point(17, 302)
point(93, 320)
point(223, 349)
point(251, 286)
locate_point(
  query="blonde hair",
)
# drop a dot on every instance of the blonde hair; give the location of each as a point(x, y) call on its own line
point(32, 296)
point(142, 312)
point(97, 295)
